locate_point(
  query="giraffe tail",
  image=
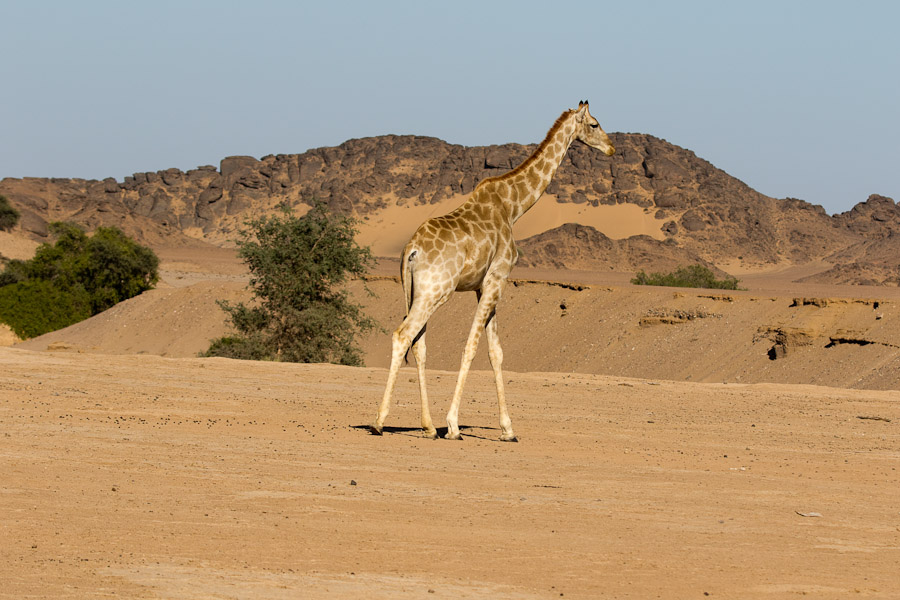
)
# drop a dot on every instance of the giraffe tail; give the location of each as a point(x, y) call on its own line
point(406, 278)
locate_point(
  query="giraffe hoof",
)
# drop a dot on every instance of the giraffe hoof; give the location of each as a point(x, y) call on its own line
point(431, 434)
point(508, 438)
point(452, 436)
point(375, 430)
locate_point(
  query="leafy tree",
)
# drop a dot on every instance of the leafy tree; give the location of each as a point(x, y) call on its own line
point(301, 311)
point(76, 277)
point(9, 216)
point(109, 265)
point(694, 276)
point(117, 268)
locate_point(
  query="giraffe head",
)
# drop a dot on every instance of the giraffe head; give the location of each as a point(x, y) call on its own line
point(588, 130)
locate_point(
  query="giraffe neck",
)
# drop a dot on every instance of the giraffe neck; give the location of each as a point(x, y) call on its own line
point(528, 181)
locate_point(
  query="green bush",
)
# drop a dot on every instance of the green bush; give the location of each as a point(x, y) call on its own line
point(693, 276)
point(243, 348)
point(15, 271)
point(301, 313)
point(76, 277)
point(35, 306)
point(9, 216)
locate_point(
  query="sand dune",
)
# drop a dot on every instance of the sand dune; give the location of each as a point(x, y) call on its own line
point(617, 221)
point(388, 230)
point(171, 321)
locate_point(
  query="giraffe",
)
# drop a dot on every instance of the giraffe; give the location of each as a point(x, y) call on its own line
point(472, 249)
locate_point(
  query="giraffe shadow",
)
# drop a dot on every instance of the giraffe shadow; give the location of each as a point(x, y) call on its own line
point(417, 431)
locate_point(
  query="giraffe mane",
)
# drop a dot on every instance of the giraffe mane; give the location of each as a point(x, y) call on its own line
point(527, 162)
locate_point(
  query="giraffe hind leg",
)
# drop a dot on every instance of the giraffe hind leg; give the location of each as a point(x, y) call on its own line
point(420, 311)
point(419, 352)
point(400, 342)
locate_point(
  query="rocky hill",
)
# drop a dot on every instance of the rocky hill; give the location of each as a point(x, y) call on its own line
point(584, 248)
point(697, 212)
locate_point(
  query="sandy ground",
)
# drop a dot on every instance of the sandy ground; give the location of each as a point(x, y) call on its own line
point(16, 246)
point(147, 477)
point(8, 337)
point(124, 473)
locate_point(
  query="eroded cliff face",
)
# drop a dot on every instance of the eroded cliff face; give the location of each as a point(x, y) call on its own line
point(703, 213)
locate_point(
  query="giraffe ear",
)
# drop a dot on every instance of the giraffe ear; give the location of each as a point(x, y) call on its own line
point(582, 108)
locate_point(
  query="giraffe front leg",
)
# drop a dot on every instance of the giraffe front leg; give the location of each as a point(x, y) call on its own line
point(468, 356)
point(419, 352)
point(495, 352)
point(486, 304)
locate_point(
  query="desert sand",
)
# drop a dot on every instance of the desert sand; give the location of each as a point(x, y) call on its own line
point(147, 477)
point(16, 246)
point(131, 468)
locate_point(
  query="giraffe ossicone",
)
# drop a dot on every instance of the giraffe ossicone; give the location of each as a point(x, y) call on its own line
point(472, 249)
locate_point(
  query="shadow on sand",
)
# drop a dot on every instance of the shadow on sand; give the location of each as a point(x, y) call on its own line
point(470, 431)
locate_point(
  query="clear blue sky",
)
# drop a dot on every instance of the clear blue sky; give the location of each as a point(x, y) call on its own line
point(797, 99)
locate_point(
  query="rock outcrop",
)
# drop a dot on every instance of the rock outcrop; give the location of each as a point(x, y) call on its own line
point(583, 248)
point(705, 214)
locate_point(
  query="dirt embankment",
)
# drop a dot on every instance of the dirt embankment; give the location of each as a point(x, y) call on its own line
point(827, 337)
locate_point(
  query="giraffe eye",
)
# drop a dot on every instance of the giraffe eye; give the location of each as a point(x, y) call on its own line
point(595, 125)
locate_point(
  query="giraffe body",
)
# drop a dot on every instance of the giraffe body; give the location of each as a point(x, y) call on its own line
point(472, 249)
